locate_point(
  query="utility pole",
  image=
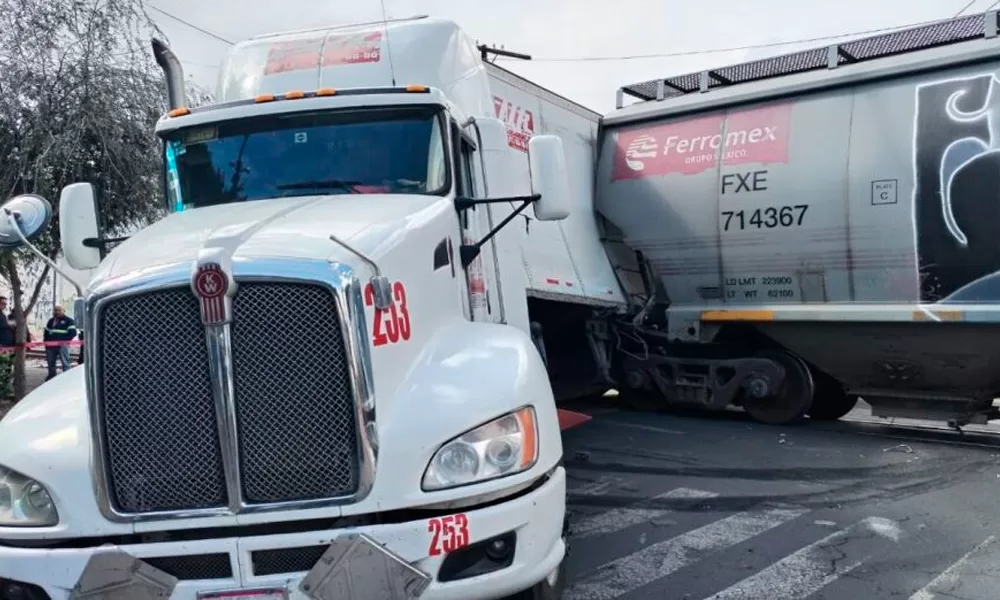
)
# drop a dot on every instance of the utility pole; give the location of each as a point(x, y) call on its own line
point(485, 52)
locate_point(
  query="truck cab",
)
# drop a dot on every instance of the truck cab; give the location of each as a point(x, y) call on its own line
point(313, 378)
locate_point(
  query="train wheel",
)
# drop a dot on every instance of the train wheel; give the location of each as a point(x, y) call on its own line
point(789, 403)
point(637, 392)
point(831, 402)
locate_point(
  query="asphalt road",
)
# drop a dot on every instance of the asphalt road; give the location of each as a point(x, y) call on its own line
point(717, 507)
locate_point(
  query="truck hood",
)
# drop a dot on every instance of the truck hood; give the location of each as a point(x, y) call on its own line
point(298, 227)
point(46, 436)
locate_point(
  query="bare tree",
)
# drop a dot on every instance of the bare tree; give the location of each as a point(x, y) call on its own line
point(79, 98)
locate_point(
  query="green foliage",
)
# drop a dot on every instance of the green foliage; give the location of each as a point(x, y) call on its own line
point(80, 94)
point(79, 97)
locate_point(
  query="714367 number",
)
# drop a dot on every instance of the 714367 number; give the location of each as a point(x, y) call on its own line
point(395, 320)
point(769, 218)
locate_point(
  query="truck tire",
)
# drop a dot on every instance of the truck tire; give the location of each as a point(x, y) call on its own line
point(788, 404)
point(545, 590)
point(831, 402)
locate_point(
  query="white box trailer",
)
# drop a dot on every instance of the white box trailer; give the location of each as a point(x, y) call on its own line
point(563, 260)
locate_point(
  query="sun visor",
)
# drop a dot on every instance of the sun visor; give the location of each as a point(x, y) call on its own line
point(303, 62)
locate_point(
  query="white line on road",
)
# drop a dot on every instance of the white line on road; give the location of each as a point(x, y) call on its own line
point(623, 518)
point(659, 560)
point(801, 574)
point(950, 575)
point(642, 427)
point(598, 487)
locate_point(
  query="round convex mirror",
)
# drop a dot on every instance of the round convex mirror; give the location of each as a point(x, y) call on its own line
point(33, 214)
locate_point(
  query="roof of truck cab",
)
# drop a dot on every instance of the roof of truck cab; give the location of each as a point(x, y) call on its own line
point(325, 28)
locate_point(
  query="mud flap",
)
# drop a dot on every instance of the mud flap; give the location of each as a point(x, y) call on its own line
point(116, 575)
point(356, 566)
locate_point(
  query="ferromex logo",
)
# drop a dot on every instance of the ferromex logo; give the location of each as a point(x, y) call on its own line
point(696, 145)
point(520, 122)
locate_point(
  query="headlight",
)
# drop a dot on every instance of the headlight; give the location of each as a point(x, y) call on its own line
point(501, 447)
point(24, 502)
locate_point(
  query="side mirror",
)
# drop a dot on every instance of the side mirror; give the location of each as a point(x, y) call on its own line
point(549, 177)
point(78, 222)
point(23, 219)
point(33, 215)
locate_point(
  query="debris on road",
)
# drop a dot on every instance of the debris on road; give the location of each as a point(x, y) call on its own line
point(899, 448)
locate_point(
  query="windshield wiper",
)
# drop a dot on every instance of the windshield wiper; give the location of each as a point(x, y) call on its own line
point(333, 184)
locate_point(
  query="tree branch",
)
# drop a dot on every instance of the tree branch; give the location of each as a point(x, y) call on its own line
point(37, 291)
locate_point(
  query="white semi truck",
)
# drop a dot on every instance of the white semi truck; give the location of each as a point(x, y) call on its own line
point(315, 377)
point(330, 371)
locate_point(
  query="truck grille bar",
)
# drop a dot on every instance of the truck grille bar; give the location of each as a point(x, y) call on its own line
point(299, 433)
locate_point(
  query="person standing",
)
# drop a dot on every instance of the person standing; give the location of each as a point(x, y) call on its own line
point(62, 330)
point(7, 344)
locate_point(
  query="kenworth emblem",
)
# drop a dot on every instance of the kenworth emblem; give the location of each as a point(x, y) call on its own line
point(211, 283)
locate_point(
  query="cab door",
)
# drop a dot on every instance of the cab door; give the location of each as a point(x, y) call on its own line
point(482, 274)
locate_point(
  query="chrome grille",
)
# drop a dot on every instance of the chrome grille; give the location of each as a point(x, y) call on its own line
point(295, 417)
point(194, 566)
point(162, 447)
point(281, 561)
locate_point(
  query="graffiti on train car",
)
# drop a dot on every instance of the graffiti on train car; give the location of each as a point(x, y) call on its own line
point(956, 195)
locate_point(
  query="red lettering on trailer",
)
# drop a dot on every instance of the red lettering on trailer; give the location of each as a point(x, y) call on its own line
point(395, 320)
point(695, 145)
point(448, 534)
point(520, 122)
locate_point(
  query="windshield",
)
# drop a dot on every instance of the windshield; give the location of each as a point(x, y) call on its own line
point(364, 151)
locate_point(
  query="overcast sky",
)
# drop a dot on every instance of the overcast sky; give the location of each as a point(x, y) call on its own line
point(566, 29)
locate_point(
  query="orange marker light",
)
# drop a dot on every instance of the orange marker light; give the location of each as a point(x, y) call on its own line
point(326, 92)
point(529, 433)
point(294, 95)
point(179, 112)
point(264, 98)
point(416, 88)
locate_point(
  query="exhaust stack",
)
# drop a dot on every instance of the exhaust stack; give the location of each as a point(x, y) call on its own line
point(173, 71)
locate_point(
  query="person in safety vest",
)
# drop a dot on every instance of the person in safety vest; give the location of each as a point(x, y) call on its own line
point(59, 331)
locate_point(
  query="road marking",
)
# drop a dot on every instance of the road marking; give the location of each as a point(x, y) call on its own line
point(659, 560)
point(811, 568)
point(642, 427)
point(623, 518)
point(950, 575)
point(597, 487)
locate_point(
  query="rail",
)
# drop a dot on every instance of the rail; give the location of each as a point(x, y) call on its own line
point(933, 35)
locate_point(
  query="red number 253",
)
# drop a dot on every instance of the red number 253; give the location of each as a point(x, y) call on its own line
point(448, 534)
point(391, 325)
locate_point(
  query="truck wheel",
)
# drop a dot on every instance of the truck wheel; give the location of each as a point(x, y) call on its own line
point(788, 404)
point(831, 402)
point(546, 590)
